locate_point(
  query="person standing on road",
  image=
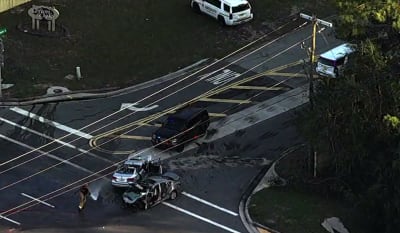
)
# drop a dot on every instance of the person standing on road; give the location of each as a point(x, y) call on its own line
point(83, 193)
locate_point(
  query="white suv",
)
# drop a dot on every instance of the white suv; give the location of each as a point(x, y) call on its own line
point(227, 12)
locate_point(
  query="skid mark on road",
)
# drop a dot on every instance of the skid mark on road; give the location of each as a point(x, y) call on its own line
point(214, 161)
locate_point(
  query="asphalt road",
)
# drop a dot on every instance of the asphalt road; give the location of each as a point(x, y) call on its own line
point(93, 135)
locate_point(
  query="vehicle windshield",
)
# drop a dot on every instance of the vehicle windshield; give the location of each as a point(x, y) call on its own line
point(127, 169)
point(326, 61)
point(174, 123)
point(241, 7)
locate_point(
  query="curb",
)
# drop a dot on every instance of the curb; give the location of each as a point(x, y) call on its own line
point(255, 183)
point(246, 197)
point(106, 92)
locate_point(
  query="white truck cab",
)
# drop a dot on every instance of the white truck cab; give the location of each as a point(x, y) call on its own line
point(227, 12)
point(331, 63)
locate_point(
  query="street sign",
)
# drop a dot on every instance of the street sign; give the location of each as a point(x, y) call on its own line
point(311, 18)
point(3, 31)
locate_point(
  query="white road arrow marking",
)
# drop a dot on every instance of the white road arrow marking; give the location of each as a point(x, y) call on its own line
point(131, 106)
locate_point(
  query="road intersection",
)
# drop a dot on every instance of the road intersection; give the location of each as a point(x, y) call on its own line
point(51, 149)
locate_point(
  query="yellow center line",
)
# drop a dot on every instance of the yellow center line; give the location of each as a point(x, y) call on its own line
point(214, 114)
point(260, 88)
point(150, 118)
point(135, 137)
point(287, 74)
point(147, 124)
point(225, 100)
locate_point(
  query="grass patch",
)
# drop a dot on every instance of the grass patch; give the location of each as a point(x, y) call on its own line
point(118, 43)
point(294, 211)
point(301, 207)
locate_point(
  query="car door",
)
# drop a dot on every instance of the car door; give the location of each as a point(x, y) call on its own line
point(195, 127)
point(189, 129)
point(205, 122)
point(156, 191)
point(212, 7)
point(164, 190)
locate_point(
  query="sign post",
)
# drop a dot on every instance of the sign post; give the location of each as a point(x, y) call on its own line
point(39, 13)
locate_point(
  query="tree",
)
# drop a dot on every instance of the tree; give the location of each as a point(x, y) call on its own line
point(369, 18)
point(356, 115)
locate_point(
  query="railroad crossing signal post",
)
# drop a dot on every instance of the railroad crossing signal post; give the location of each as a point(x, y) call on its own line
point(315, 21)
point(3, 31)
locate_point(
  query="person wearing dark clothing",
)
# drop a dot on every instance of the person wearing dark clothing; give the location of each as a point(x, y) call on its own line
point(83, 193)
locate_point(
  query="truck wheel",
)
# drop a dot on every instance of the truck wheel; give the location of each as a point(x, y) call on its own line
point(173, 195)
point(196, 8)
point(180, 148)
point(221, 20)
point(336, 71)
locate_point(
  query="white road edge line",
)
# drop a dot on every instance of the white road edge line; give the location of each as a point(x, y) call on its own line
point(54, 139)
point(10, 220)
point(47, 154)
point(52, 123)
point(209, 203)
point(200, 217)
point(35, 199)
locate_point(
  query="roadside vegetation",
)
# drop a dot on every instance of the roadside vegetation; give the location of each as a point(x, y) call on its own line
point(354, 126)
point(118, 43)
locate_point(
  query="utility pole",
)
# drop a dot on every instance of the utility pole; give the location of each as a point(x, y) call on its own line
point(2, 32)
point(315, 21)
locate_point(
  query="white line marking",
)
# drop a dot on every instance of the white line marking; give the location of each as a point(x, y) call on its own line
point(10, 220)
point(132, 107)
point(209, 203)
point(225, 76)
point(52, 123)
point(47, 154)
point(54, 139)
point(200, 217)
point(35, 199)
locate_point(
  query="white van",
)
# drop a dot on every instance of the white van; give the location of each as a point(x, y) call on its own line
point(227, 12)
point(332, 62)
